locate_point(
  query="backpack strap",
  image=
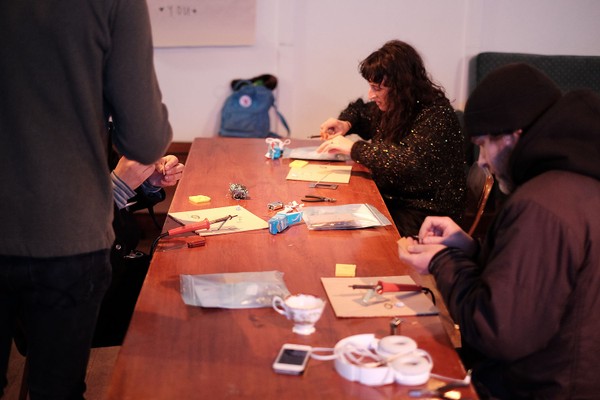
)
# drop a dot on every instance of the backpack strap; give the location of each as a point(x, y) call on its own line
point(282, 119)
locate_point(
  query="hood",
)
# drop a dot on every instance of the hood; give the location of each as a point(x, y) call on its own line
point(566, 137)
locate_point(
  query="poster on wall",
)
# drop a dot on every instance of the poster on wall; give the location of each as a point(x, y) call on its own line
point(191, 23)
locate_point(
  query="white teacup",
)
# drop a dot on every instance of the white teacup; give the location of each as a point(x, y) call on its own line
point(303, 309)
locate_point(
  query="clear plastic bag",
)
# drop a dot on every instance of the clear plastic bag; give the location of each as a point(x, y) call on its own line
point(347, 216)
point(233, 290)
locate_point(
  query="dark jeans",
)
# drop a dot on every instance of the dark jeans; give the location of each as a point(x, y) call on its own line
point(55, 302)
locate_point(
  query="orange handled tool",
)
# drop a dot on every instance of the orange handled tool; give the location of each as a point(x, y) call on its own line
point(189, 228)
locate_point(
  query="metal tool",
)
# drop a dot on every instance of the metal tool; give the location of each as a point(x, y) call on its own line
point(320, 185)
point(441, 392)
point(314, 199)
point(394, 325)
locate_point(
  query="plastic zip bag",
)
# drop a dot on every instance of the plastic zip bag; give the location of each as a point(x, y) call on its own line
point(347, 216)
point(233, 290)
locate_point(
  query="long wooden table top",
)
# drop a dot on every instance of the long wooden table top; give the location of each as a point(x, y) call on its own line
point(175, 351)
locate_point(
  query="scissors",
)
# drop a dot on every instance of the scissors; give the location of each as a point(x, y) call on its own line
point(312, 199)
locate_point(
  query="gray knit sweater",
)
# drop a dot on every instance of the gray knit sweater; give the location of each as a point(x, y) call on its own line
point(64, 66)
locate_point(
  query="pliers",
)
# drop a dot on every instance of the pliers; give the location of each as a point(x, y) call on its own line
point(313, 199)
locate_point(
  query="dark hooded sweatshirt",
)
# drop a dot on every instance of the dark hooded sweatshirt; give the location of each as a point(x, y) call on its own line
point(528, 307)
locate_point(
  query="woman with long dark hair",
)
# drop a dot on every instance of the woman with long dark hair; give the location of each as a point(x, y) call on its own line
point(411, 139)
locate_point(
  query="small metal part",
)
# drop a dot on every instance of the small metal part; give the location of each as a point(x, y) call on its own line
point(275, 205)
point(395, 326)
point(365, 300)
point(238, 191)
point(319, 185)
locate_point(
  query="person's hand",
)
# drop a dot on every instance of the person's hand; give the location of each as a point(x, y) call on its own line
point(339, 144)
point(132, 172)
point(334, 127)
point(417, 255)
point(167, 171)
point(443, 230)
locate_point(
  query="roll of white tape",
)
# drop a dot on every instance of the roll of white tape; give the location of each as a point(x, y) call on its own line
point(367, 375)
point(412, 369)
point(396, 345)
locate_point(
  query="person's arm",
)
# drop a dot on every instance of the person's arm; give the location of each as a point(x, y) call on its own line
point(131, 178)
point(497, 301)
point(142, 130)
point(362, 117)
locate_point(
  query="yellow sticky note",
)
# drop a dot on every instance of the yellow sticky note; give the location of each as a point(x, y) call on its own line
point(199, 199)
point(298, 163)
point(345, 269)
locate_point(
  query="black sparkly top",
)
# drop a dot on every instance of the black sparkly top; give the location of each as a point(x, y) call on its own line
point(425, 171)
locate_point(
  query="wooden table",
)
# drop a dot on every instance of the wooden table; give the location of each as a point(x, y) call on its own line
point(175, 351)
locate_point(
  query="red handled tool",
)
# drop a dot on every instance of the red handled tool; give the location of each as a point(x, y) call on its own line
point(384, 287)
point(205, 224)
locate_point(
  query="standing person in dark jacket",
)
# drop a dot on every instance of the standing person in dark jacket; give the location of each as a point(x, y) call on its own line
point(412, 140)
point(64, 68)
point(526, 300)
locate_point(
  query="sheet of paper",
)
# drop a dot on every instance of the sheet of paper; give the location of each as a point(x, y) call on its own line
point(321, 173)
point(346, 302)
point(244, 220)
point(310, 153)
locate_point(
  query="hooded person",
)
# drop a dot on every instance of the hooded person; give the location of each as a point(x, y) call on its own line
point(524, 298)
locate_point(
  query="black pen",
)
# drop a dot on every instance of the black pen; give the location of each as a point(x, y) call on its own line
point(314, 136)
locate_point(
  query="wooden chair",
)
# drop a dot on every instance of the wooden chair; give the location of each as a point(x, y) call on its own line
point(479, 185)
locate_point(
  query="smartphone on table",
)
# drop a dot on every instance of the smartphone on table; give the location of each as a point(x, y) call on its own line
point(292, 359)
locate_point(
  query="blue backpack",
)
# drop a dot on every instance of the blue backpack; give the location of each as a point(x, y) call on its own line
point(246, 110)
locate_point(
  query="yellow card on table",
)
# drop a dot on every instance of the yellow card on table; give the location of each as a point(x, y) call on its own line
point(321, 173)
point(298, 163)
point(345, 270)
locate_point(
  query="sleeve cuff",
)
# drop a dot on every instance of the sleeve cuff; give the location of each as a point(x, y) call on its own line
point(121, 191)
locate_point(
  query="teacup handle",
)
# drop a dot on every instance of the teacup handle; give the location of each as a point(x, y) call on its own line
point(279, 305)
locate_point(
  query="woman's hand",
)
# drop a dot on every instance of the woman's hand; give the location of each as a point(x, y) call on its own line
point(334, 127)
point(339, 144)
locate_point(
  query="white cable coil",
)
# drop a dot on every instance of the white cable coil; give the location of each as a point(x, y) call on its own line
point(370, 361)
point(413, 369)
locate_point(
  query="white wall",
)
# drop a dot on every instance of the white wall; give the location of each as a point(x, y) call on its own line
point(314, 46)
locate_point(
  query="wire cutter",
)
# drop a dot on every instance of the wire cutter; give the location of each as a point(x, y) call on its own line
point(313, 199)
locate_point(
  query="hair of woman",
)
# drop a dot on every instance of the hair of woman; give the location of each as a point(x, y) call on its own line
point(398, 66)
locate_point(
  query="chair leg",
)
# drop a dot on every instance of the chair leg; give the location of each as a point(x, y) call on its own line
point(23, 393)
